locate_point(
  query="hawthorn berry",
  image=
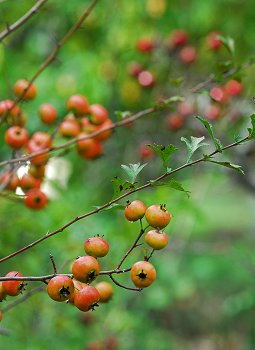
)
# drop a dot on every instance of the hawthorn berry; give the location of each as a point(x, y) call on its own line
point(188, 54)
point(96, 246)
point(156, 239)
point(47, 113)
point(69, 128)
point(143, 274)
point(16, 137)
point(105, 290)
point(77, 286)
point(178, 38)
point(78, 104)
point(60, 288)
point(157, 216)
point(36, 199)
point(98, 114)
point(87, 298)
point(135, 210)
point(213, 42)
point(233, 87)
point(9, 180)
point(85, 268)
point(21, 89)
point(13, 287)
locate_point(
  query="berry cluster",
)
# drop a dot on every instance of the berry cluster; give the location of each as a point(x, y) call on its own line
point(82, 120)
point(76, 288)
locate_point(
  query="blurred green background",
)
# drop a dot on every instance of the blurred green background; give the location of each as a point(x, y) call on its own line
point(204, 295)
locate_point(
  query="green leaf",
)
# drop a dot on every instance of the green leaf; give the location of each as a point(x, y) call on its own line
point(193, 145)
point(237, 138)
point(133, 170)
point(173, 184)
point(227, 164)
point(252, 129)
point(228, 42)
point(164, 152)
point(209, 128)
point(120, 186)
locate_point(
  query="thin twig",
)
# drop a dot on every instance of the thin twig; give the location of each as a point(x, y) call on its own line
point(52, 55)
point(74, 140)
point(22, 20)
point(122, 286)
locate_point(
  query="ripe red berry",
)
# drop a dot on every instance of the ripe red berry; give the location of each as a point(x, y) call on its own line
point(36, 199)
point(98, 114)
point(135, 210)
point(16, 137)
point(143, 274)
point(175, 121)
point(105, 290)
point(77, 286)
point(145, 45)
point(85, 268)
point(13, 287)
point(94, 152)
point(146, 79)
point(104, 135)
point(60, 288)
point(213, 42)
point(9, 180)
point(178, 38)
point(134, 68)
point(157, 216)
point(96, 246)
point(87, 298)
point(69, 128)
point(188, 54)
point(234, 87)
point(212, 112)
point(27, 182)
point(48, 113)
point(78, 104)
point(156, 239)
point(21, 87)
point(219, 94)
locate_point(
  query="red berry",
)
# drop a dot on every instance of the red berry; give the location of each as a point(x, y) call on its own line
point(234, 87)
point(157, 216)
point(135, 210)
point(213, 42)
point(36, 199)
point(16, 137)
point(20, 88)
point(145, 45)
point(188, 54)
point(175, 121)
point(85, 268)
point(156, 239)
point(178, 38)
point(96, 246)
point(146, 79)
point(13, 287)
point(105, 290)
point(78, 104)
point(98, 114)
point(143, 274)
point(60, 288)
point(87, 298)
point(48, 113)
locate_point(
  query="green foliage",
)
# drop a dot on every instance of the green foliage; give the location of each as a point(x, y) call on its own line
point(165, 153)
point(193, 145)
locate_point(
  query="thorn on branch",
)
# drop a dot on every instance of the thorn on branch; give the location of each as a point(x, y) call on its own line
point(53, 264)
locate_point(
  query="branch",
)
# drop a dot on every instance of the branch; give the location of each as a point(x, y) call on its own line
point(52, 55)
point(22, 20)
point(99, 209)
point(74, 140)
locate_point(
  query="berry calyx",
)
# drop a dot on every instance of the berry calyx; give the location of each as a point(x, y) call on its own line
point(36, 199)
point(143, 274)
